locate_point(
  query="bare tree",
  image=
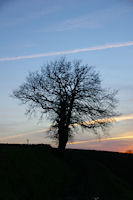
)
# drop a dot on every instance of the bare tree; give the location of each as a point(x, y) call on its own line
point(71, 94)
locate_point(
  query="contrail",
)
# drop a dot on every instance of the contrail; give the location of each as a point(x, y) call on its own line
point(93, 48)
point(105, 139)
point(119, 118)
point(111, 119)
point(24, 134)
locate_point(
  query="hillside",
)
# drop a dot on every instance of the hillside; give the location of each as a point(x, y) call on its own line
point(37, 172)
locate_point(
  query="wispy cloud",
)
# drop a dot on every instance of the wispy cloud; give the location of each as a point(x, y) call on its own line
point(94, 19)
point(11, 21)
point(119, 118)
point(117, 144)
point(43, 12)
point(93, 48)
point(24, 134)
point(75, 23)
point(102, 140)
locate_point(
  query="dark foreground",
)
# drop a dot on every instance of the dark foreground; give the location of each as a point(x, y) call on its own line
point(36, 172)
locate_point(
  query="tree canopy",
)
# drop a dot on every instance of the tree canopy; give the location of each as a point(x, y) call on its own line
point(71, 94)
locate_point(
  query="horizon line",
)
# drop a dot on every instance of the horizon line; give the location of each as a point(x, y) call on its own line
point(92, 48)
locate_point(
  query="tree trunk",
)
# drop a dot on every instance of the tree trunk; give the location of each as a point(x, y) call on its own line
point(63, 139)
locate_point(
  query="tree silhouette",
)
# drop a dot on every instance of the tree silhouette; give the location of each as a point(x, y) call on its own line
point(71, 94)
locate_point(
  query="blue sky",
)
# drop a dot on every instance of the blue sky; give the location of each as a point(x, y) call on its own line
point(46, 27)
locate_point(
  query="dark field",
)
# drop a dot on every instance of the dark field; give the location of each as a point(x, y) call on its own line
point(29, 172)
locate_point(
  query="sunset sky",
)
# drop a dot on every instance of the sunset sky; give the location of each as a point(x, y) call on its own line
point(34, 32)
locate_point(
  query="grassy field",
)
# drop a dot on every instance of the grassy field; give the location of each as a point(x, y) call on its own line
point(29, 172)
